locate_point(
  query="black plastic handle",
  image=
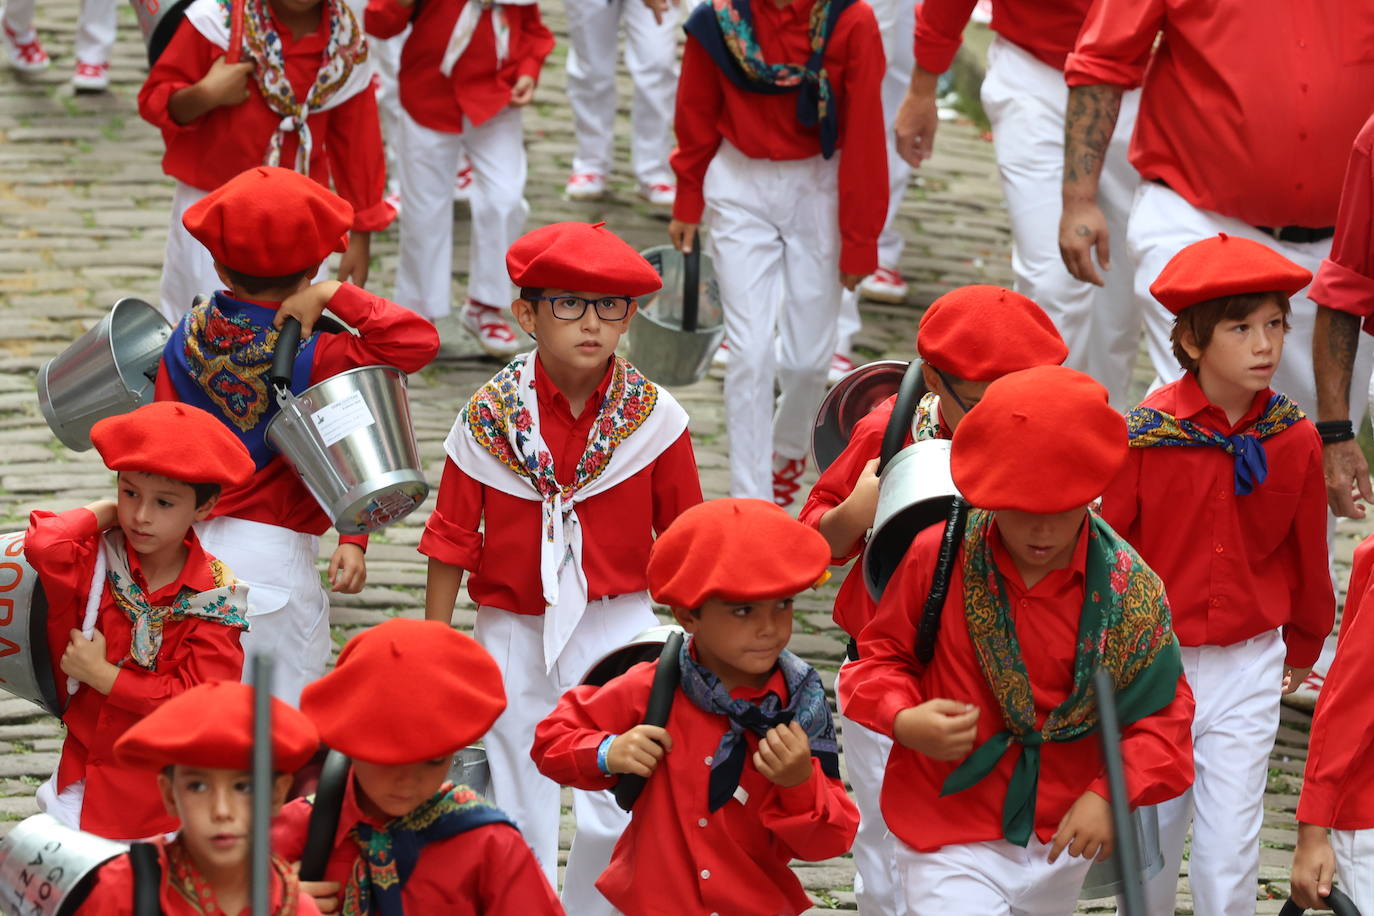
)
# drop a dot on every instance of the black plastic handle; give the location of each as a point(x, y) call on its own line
point(1126, 850)
point(661, 694)
point(909, 395)
point(929, 628)
point(691, 286)
point(147, 873)
point(324, 816)
point(284, 356)
point(1339, 903)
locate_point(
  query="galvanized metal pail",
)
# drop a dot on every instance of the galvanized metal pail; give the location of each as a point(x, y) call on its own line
point(1104, 881)
point(915, 491)
point(351, 439)
point(47, 869)
point(470, 769)
point(107, 371)
point(643, 648)
point(25, 663)
point(847, 402)
point(158, 21)
point(679, 328)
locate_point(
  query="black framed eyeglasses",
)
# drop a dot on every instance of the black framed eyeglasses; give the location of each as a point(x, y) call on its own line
point(949, 386)
point(571, 308)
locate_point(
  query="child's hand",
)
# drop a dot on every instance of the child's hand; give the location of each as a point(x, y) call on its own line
point(106, 512)
point(1086, 829)
point(1293, 677)
point(347, 569)
point(225, 83)
point(1314, 865)
point(354, 263)
point(306, 306)
point(682, 235)
point(850, 281)
point(863, 500)
point(84, 659)
point(324, 893)
point(660, 8)
point(638, 750)
point(940, 729)
point(784, 755)
point(522, 93)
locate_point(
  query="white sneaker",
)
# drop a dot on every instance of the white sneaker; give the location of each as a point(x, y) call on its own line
point(840, 366)
point(585, 186)
point(660, 195)
point(91, 77)
point(462, 184)
point(883, 285)
point(488, 325)
point(721, 359)
point(25, 56)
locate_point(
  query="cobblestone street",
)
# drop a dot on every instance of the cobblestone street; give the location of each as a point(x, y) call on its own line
point(83, 215)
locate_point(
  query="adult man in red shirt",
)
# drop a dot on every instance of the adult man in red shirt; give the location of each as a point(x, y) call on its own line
point(1223, 75)
point(1024, 96)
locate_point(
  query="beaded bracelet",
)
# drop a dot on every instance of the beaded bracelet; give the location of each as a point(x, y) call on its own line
point(1335, 431)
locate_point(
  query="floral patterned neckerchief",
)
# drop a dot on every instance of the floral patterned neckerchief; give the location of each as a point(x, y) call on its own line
point(346, 49)
point(1124, 626)
point(1148, 427)
point(388, 855)
point(192, 886)
point(927, 422)
point(725, 29)
point(225, 604)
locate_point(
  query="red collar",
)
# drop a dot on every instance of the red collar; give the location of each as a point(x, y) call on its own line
point(1055, 579)
point(1191, 403)
point(195, 572)
point(548, 392)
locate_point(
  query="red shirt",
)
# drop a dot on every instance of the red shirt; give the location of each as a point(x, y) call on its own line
point(1158, 749)
point(388, 335)
point(618, 525)
point(1335, 789)
point(120, 802)
point(1249, 106)
point(1044, 28)
point(1345, 280)
point(732, 860)
point(711, 108)
point(346, 140)
point(477, 88)
point(1235, 566)
point(487, 871)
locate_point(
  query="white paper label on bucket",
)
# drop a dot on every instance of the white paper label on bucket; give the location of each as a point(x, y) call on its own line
point(342, 418)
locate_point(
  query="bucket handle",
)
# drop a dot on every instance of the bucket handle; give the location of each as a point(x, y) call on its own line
point(284, 358)
point(691, 287)
point(1126, 850)
point(667, 678)
point(908, 397)
point(1339, 903)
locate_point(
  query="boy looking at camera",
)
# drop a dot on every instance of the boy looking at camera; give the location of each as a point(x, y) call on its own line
point(721, 835)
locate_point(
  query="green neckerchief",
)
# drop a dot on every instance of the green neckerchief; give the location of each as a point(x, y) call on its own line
point(1124, 626)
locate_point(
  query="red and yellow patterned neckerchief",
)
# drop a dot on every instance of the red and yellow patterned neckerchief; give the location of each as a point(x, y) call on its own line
point(192, 886)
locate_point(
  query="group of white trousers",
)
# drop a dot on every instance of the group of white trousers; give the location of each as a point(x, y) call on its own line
point(531, 799)
point(95, 26)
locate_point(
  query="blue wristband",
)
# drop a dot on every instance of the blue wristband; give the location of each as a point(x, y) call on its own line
point(602, 751)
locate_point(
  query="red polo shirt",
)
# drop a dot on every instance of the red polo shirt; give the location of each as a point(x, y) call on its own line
point(1044, 28)
point(1345, 280)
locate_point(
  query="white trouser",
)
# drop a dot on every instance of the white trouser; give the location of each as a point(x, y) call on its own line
point(531, 799)
point(994, 878)
point(288, 609)
point(95, 26)
point(1162, 223)
point(875, 848)
point(428, 164)
point(64, 806)
point(650, 59)
point(1025, 100)
point(775, 240)
point(1237, 690)
point(386, 57)
point(849, 323)
point(896, 22)
point(1355, 866)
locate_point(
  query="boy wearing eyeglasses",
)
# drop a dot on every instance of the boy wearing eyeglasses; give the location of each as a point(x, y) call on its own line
point(560, 471)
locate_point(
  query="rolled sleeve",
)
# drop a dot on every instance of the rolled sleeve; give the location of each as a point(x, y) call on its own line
point(451, 534)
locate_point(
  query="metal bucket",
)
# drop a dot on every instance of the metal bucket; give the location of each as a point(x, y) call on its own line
point(47, 869)
point(679, 328)
point(108, 371)
point(470, 769)
point(25, 663)
point(1103, 880)
point(643, 648)
point(158, 21)
point(915, 491)
point(351, 439)
point(847, 402)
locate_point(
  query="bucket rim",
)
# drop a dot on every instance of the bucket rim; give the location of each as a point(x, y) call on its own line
point(125, 304)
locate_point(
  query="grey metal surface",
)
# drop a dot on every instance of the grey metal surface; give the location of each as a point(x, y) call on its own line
point(645, 647)
point(847, 402)
point(1103, 880)
point(659, 347)
point(915, 492)
point(25, 666)
point(46, 868)
point(470, 769)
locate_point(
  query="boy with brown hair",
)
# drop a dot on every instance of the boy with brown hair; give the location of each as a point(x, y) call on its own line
point(1223, 496)
point(720, 836)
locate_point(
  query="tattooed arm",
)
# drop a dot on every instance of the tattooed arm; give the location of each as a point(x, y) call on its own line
point(1088, 125)
point(1335, 338)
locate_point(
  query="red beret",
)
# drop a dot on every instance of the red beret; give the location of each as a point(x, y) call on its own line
point(174, 440)
point(979, 333)
point(1225, 266)
point(580, 256)
point(211, 726)
point(734, 550)
point(1041, 440)
point(270, 222)
point(405, 691)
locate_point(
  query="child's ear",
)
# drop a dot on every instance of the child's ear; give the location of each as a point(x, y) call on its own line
point(523, 310)
point(1188, 342)
point(686, 619)
point(281, 785)
point(203, 510)
point(164, 787)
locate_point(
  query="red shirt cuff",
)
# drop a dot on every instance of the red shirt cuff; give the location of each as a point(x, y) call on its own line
point(859, 258)
point(1343, 289)
point(374, 218)
point(358, 540)
point(452, 545)
point(1303, 649)
point(1086, 70)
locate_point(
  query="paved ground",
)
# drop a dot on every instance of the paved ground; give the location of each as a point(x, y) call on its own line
point(83, 211)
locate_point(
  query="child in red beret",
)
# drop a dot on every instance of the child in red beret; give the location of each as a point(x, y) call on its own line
point(967, 338)
point(719, 836)
point(996, 768)
point(1223, 496)
point(268, 229)
point(769, 93)
point(138, 610)
point(560, 471)
point(301, 97)
point(200, 744)
point(403, 698)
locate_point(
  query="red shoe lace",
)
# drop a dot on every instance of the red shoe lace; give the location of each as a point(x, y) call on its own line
point(30, 52)
point(787, 481)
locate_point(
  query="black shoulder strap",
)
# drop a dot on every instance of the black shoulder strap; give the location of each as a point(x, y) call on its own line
point(324, 816)
point(666, 679)
point(929, 627)
point(147, 879)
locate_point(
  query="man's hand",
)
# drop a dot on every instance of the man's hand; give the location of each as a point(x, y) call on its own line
point(682, 235)
point(1347, 478)
point(1314, 865)
point(354, 263)
point(941, 729)
point(660, 8)
point(851, 281)
point(306, 306)
point(1086, 829)
point(916, 121)
point(638, 750)
point(784, 755)
point(1293, 677)
point(84, 659)
point(1083, 230)
point(347, 569)
point(522, 93)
